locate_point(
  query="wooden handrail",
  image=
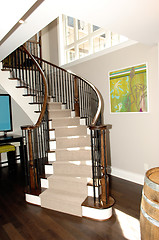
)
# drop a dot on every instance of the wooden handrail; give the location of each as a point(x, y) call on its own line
point(45, 94)
point(100, 102)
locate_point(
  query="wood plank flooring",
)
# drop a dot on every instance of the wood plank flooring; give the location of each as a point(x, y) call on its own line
point(22, 221)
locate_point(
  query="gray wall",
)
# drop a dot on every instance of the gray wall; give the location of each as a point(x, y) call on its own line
point(134, 136)
point(49, 36)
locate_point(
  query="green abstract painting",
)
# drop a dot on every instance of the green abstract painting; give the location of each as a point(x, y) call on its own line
point(128, 89)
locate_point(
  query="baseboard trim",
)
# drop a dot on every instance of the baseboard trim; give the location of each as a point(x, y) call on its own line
point(129, 176)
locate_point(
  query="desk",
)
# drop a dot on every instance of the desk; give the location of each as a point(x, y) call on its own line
point(12, 139)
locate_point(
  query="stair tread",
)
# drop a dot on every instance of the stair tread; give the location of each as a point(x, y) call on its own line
point(62, 195)
point(71, 179)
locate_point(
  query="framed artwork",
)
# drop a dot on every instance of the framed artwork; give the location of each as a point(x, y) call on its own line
point(128, 90)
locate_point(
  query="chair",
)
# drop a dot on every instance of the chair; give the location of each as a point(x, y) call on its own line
point(10, 149)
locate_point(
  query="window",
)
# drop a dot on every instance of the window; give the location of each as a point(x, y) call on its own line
point(99, 42)
point(81, 39)
point(69, 30)
point(83, 49)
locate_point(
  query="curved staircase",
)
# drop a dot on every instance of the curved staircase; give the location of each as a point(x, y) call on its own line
point(65, 152)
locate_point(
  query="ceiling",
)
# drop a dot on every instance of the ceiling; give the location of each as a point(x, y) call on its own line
point(136, 19)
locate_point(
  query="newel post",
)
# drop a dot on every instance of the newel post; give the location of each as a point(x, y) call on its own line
point(104, 177)
point(100, 155)
point(76, 97)
point(32, 168)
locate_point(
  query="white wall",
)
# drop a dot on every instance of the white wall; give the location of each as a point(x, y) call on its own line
point(23, 112)
point(134, 136)
point(49, 40)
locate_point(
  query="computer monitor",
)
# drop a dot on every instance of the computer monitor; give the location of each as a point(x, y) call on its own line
point(5, 113)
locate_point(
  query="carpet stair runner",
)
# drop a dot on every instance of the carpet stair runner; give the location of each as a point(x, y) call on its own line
point(70, 156)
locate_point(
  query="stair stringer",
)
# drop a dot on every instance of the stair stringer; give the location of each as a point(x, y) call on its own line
point(17, 95)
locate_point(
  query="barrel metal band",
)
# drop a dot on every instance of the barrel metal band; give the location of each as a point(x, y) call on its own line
point(149, 201)
point(151, 184)
point(150, 219)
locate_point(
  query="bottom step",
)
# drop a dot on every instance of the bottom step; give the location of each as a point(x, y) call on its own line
point(97, 211)
point(33, 199)
point(62, 201)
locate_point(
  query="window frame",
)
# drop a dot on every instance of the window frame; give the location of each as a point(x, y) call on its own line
point(75, 44)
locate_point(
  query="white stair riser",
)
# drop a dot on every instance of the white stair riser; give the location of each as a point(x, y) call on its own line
point(52, 134)
point(50, 124)
point(32, 199)
point(49, 169)
point(82, 121)
point(44, 183)
point(91, 191)
point(88, 131)
point(52, 145)
point(51, 157)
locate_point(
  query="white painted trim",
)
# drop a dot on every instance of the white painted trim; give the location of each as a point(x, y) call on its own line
point(50, 124)
point(17, 95)
point(63, 106)
point(51, 156)
point(73, 114)
point(91, 193)
point(44, 183)
point(49, 169)
point(129, 176)
point(98, 214)
point(82, 121)
point(33, 199)
point(88, 131)
point(52, 134)
point(52, 145)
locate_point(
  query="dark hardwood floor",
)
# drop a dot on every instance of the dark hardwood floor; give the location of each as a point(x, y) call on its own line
point(19, 220)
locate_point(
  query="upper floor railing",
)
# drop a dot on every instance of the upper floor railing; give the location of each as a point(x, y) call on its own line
point(75, 92)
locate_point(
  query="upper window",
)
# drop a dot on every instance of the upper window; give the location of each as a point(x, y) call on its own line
point(82, 39)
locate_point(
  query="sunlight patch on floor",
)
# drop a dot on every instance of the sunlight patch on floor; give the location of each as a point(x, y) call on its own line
point(129, 225)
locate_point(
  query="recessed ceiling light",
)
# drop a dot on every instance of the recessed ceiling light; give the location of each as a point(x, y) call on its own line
point(21, 21)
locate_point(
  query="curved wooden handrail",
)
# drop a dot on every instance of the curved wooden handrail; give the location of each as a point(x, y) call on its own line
point(101, 127)
point(100, 102)
point(45, 94)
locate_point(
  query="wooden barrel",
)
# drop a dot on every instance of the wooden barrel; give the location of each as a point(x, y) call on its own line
point(149, 214)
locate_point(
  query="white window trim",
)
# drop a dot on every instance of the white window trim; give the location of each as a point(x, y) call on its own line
point(77, 42)
point(100, 53)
